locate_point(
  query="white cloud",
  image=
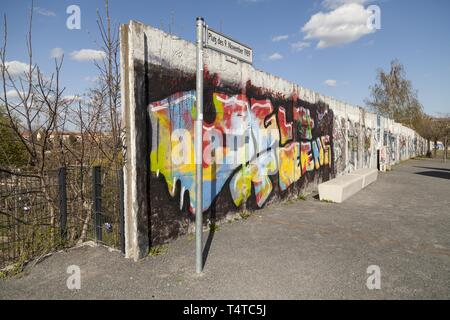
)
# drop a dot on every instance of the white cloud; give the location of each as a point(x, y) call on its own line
point(333, 4)
point(44, 12)
point(87, 55)
point(280, 38)
point(56, 53)
point(343, 25)
point(331, 83)
point(12, 94)
point(275, 56)
point(249, 1)
point(72, 98)
point(16, 68)
point(91, 79)
point(299, 46)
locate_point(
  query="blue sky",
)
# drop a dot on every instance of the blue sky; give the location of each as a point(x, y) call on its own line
point(417, 32)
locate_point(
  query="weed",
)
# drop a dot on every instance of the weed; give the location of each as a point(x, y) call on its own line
point(214, 227)
point(158, 250)
point(245, 214)
point(179, 280)
point(13, 270)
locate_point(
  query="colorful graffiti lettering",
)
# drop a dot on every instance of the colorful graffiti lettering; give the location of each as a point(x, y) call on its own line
point(249, 141)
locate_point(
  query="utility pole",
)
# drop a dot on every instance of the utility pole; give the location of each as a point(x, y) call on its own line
point(199, 150)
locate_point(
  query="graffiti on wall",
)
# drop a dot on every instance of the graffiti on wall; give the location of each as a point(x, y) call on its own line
point(368, 151)
point(403, 142)
point(340, 141)
point(392, 147)
point(260, 145)
point(253, 144)
point(354, 151)
point(354, 145)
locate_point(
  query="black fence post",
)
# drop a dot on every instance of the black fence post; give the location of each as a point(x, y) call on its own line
point(121, 211)
point(62, 192)
point(97, 199)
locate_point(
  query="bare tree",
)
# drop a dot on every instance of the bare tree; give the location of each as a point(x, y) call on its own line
point(435, 129)
point(424, 126)
point(97, 117)
point(394, 97)
point(34, 112)
point(38, 114)
point(441, 132)
point(106, 96)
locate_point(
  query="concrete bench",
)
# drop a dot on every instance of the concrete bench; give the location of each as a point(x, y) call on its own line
point(340, 189)
point(369, 175)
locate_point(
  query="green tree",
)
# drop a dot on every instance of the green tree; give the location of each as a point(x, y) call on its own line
point(12, 151)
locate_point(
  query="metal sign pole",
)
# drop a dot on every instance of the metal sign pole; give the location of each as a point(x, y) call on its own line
point(199, 150)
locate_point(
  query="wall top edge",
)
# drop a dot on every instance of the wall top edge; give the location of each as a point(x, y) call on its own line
point(283, 86)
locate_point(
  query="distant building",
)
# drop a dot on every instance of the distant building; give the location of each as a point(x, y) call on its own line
point(64, 135)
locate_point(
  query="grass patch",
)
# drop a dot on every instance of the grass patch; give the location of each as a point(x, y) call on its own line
point(14, 270)
point(214, 227)
point(301, 197)
point(158, 250)
point(245, 214)
point(179, 279)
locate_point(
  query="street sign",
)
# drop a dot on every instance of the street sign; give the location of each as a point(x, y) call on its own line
point(234, 51)
point(219, 42)
point(200, 28)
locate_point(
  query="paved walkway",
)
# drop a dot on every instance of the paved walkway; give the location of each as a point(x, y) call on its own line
point(303, 250)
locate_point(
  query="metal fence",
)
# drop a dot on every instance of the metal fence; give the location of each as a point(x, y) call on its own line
point(39, 214)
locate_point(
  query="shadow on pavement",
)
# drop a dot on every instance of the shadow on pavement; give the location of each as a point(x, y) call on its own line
point(207, 246)
point(435, 174)
point(212, 230)
point(432, 168)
